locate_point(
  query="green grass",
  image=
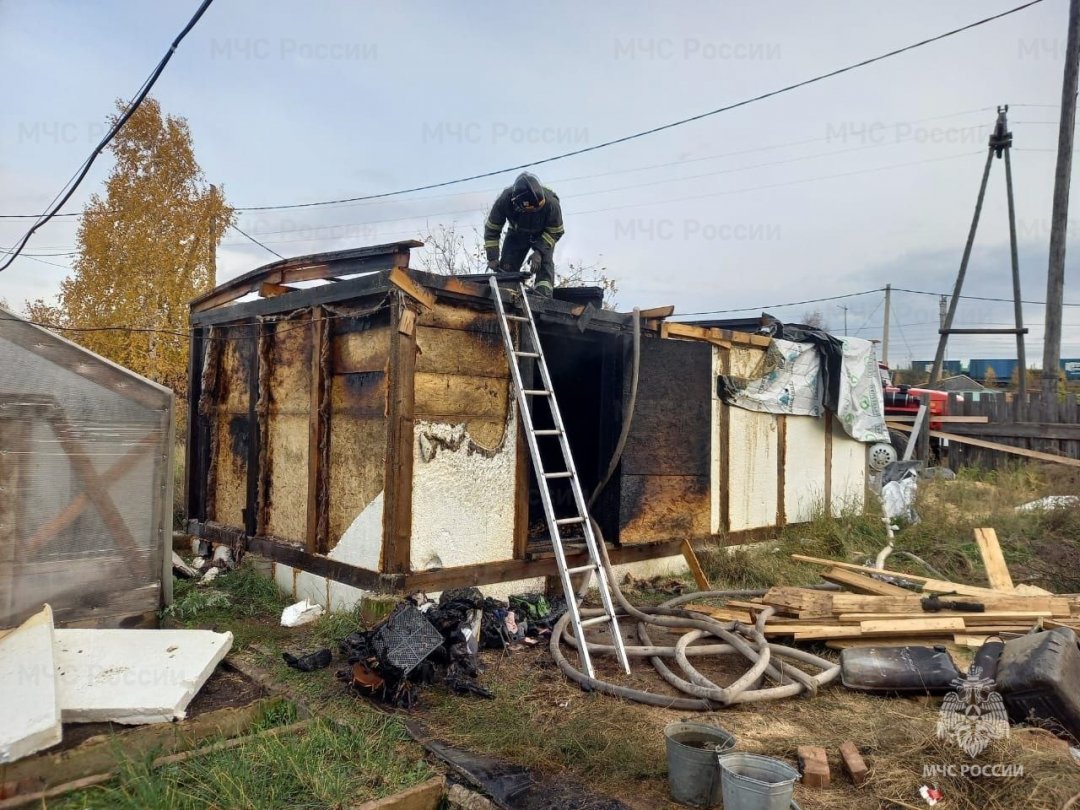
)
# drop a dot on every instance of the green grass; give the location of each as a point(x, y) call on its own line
point(529, 728)
point(326, 766)
point(242, 593)
point(1041, 548)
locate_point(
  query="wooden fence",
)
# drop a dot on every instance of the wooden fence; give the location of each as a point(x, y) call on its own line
point(1024, 426)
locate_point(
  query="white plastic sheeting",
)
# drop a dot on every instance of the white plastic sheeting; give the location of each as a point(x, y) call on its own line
point(789, 381)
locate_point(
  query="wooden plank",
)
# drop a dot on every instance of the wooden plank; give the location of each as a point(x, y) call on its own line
point(857, 603)
point(986, 617)
point(828, 462)
point(928, 584)
point(98, 754)
point(712, 335)
point(397, 510)
point(658, 313)
point(425, 796)
point(317, 522)
point(1001, 448)
point(722, 523)
point(511, 570)
point(407, 284)
point(308, 268)
point(781, 465)
point(695, 566)
point(1020, 430)
point(997, 572)
point(269, 289)
point(863, 584)
point(724, 614)
point(911, 627)
point(963, 420)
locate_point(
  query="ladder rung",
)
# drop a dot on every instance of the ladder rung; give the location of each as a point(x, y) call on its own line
point(581, 569)
point(527, 354)
point(564, 474)
point(536, 392)
point(569, 521)
point(546, 432)
point(595, 620)
point(516, 318)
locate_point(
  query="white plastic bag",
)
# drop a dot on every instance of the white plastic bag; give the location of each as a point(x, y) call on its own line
point(301, 613)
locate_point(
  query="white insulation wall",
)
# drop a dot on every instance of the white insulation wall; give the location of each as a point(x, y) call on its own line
point(463, 496)
point(804, 468)
point(752, 459)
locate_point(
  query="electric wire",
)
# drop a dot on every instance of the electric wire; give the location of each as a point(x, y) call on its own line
point(662, 127)
point(636, 135)
point(236, 228)
point(144, 91)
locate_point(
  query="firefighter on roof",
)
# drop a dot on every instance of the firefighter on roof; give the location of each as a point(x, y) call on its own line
point(535, 221)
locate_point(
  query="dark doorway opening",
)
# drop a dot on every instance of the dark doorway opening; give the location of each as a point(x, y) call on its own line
point(587, 375)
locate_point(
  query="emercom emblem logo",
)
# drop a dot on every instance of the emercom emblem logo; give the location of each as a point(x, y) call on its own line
point(974, 715)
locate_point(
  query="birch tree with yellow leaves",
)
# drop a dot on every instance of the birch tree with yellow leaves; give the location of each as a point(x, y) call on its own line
point(145, 249)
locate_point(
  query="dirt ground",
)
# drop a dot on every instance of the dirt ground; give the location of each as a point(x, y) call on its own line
point(621, 753)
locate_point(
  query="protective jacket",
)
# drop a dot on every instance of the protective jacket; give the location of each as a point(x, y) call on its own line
point(544, 227)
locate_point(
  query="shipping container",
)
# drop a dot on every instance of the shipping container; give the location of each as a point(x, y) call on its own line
point(1003, 369)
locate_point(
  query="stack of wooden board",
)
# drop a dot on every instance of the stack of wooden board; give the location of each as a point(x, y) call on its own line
point(871, 611)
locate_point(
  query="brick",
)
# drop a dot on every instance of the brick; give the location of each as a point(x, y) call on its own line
point(853, 763)
point(814, 766)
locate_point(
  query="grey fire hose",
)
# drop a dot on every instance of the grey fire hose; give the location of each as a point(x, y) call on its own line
point(766, 660)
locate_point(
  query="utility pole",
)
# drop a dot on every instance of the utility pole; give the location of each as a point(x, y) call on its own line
point(845, 308)
point(943, 302)
point(885, 327)
point(1055, 276)
point(999, 146)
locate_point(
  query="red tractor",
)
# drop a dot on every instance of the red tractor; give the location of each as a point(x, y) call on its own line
point(904, 400)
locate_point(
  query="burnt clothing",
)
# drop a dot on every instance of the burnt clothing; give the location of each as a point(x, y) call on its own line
point(539, 229)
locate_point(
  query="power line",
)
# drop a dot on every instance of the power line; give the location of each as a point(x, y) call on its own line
point(647, 167)
point(871, 315)
point(974, 297)
point(236, 228)
point(143, 92)
point(780, 306)
point(662, 127)
point(653, 130)
point(726, 192)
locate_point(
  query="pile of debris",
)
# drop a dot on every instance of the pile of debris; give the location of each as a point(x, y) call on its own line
point(423, 642)
point(872, 608)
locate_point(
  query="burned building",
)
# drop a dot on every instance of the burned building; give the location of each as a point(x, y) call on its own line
point(363, 433)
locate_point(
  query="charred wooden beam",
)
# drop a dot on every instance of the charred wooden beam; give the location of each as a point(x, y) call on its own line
point(318, 491)
point(294, 556)
point(510, 570)
point(408, 285)
point(308, 268)
point(401, 417)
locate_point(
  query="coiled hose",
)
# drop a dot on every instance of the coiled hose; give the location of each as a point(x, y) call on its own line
point(775, 662)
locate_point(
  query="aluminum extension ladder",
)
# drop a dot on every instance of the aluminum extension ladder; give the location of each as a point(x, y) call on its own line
point(554, 522)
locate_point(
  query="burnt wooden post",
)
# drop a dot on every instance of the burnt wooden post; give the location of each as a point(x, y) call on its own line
point(318, 436)
point(922, 449)
point(401, 419)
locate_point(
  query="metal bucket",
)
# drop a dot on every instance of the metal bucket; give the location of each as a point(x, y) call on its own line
point(693, 771)
point(753, 782)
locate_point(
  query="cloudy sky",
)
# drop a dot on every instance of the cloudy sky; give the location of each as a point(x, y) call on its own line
point(841, 187)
